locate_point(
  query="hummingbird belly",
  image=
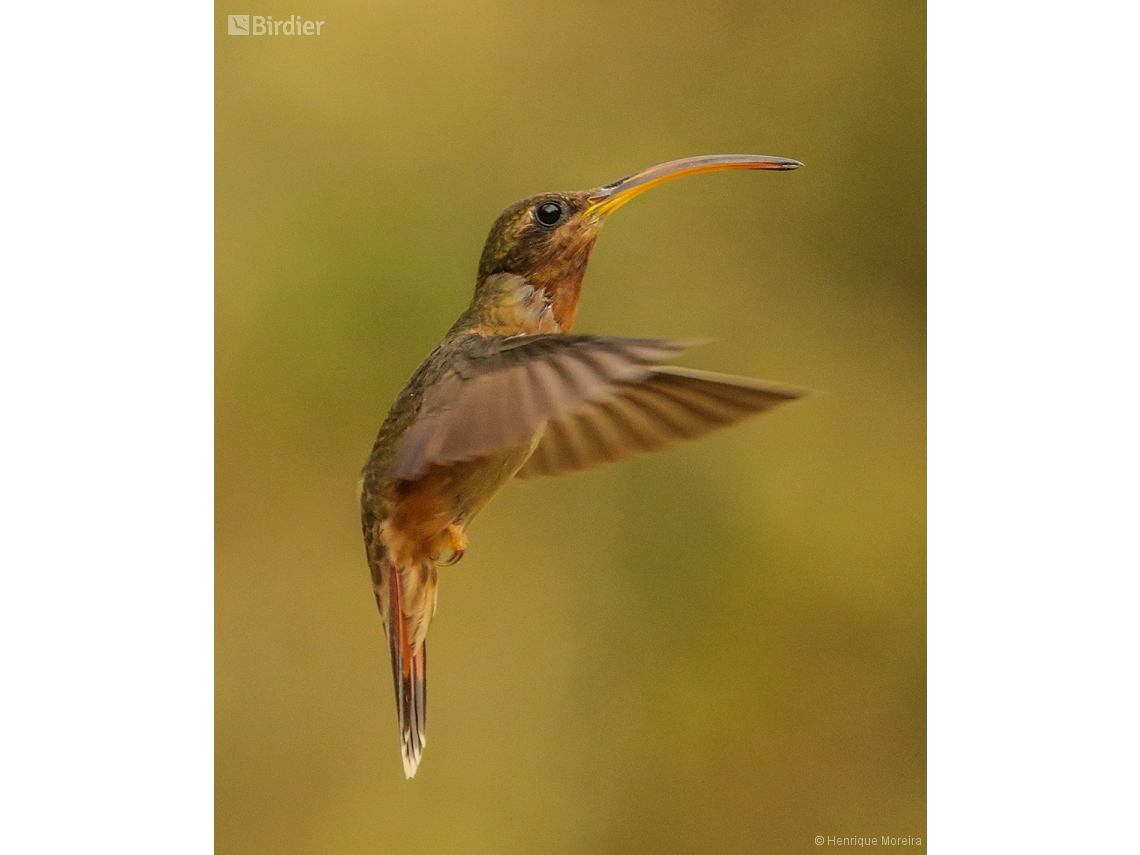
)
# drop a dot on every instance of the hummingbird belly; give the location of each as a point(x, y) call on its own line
point(430, 514)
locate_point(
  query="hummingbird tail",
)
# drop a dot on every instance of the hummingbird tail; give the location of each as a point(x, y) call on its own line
point(409, 673)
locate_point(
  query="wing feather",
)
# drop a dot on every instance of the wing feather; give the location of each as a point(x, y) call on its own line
point(499, 395)
point(667, 406)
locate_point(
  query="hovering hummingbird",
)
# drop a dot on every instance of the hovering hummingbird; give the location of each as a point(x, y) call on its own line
point(511, 393)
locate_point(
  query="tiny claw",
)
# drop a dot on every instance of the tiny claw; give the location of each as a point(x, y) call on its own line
point(456, 542)
point(452, 559)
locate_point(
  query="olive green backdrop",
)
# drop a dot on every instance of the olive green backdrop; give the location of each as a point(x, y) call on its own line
point(717, 649)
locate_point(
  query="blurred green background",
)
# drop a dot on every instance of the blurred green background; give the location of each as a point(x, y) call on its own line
point(716, 649)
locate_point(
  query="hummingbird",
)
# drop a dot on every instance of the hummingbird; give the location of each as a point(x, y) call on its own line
point(511, 392)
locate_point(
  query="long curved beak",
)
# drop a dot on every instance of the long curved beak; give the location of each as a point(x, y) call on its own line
point(606, 200)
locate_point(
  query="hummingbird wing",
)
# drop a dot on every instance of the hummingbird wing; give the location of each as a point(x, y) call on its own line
point(663, 407)
point(499, 392)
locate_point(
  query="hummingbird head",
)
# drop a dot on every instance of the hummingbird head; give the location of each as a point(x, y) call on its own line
point(546, 239)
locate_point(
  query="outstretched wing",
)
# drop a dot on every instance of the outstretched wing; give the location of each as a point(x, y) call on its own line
point(589, 399)
point(663, 407)
point(504, 389)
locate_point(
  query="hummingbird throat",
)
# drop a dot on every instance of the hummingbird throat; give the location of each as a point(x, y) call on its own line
point(507, 304)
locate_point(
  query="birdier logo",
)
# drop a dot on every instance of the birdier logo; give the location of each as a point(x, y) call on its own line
point(265, 25)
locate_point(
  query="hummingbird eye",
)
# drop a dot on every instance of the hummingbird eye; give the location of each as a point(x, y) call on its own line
point(550, 214)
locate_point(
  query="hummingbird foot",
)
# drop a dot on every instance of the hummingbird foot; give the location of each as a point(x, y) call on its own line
point(457, 543)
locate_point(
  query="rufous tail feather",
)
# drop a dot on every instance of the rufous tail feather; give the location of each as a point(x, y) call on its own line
point(409, 674)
